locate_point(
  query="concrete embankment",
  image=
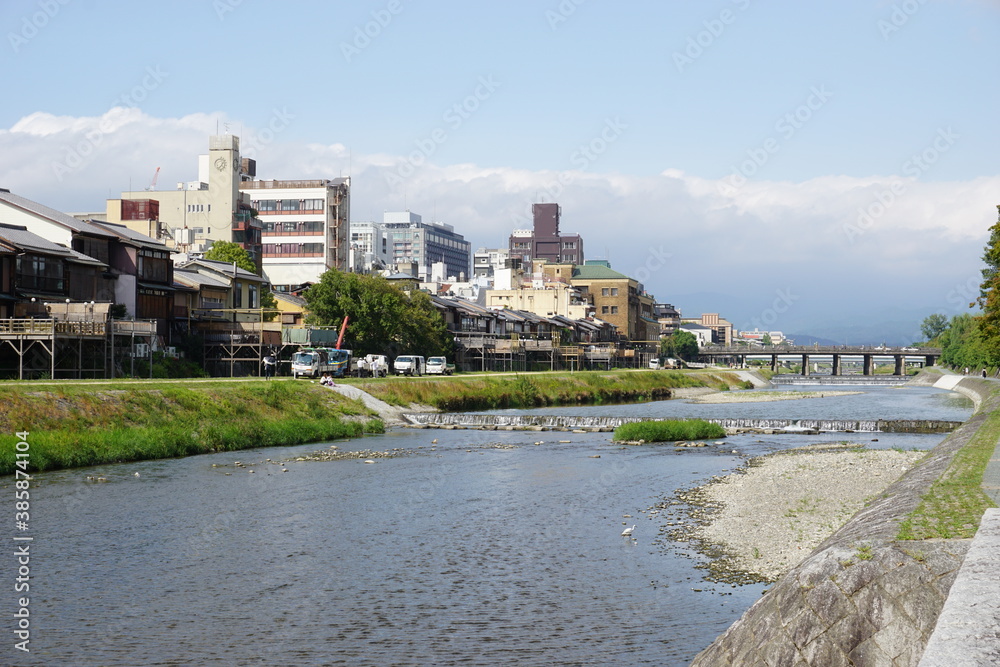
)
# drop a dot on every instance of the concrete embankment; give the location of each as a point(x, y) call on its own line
point(862, 597)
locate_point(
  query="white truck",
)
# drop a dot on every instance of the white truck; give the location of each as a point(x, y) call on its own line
point(439, 366)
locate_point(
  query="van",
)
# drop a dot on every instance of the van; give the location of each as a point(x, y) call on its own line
point(408, 365)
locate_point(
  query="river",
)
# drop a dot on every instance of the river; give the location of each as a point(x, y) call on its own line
point(486, 548)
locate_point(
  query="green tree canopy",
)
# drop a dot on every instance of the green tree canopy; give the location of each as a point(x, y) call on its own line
point(989, 296)
point(766, 339)
point(382, 318)
point(933, 326)
point(229, 252)
point(680, 344)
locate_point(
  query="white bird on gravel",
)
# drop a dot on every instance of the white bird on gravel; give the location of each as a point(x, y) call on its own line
point(628, 531)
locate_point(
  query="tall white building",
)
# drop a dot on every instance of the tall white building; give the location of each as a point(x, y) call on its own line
point(304, 228)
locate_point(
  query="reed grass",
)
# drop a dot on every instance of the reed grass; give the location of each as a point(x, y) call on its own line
point(668, 430)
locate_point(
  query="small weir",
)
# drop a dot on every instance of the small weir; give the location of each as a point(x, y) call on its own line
point(841, 379)
point(594, 423)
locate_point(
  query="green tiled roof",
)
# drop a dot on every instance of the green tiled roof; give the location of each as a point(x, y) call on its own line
point(592, 272)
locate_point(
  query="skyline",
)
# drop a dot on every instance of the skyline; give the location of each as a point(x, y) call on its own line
point(763, 169)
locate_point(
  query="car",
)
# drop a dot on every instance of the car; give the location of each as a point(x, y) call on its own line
point(439, 366)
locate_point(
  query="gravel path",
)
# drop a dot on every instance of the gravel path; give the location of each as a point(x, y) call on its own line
point(768, 518)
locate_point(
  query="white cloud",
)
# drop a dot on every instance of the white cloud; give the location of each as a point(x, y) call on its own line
point(916, 244)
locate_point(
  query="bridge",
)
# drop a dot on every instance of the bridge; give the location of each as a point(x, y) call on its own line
point(835, 353)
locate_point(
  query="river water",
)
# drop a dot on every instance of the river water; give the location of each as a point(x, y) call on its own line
point(486, 548)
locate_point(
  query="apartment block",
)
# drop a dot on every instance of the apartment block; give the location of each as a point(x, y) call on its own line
point(305, 228)
point(544, 240)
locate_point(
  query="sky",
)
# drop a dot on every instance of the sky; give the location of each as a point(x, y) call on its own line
point(821, 168)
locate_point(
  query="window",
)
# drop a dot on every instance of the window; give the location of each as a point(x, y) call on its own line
point(614, 291)
point(237, 294)
point(605, 291)
point(266, 206)
point(604, 310)
point(252, 301)
point(614, 310)
point(312, 226)
point(289, 226)
point(289, 205)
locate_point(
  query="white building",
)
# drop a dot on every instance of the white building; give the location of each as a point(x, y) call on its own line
point(304, 228)
point(411, 240)
point(371, 243)
point(487, 261)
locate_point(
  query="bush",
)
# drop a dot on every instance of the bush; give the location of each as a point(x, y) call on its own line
point(668, 430)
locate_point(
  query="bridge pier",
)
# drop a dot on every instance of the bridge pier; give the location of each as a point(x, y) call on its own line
point(900, 368)
point(805, 364)
point(774, 363)
point(869, 364)
point(836, 365)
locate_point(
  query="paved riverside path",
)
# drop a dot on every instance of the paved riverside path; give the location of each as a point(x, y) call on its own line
point(968, 629)
point(863, 598)
point(392, 415)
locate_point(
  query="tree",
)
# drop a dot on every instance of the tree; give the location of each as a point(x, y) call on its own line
point(989, 296)
point(229, 252)
point(680, 344)
point(383, 319)
point(766, 339)
point(234, 253)
point(933, 326)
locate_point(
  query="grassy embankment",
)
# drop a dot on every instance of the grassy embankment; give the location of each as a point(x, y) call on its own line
point(83, 424)
point(954, 505)
point(534, 390)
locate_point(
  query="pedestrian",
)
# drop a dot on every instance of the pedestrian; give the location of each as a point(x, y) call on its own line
point(984, 372)
point(269, 365)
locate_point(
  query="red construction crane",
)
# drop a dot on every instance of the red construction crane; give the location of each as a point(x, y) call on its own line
point(152, 184)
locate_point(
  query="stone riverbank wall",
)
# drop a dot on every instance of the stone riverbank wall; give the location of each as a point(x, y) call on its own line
point(862, 598)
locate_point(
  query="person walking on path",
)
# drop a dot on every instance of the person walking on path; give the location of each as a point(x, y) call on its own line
point(269, 365)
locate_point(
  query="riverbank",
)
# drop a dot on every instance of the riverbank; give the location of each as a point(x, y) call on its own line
point(759, 523)
point(541, 389)
point(85, 423)
point(767, 396)
point(872, 591)
point(71, 425)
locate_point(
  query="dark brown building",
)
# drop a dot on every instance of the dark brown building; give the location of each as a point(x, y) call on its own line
point(544, 241)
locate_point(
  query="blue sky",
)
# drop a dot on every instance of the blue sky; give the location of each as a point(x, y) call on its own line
point(809, 167)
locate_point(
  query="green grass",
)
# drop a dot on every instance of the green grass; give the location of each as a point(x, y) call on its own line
point(483, 392)
point(80, 424)
point(954, 505)
point(668, 430)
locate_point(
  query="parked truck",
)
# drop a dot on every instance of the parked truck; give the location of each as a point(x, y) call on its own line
point(439, 366)
point(316, 361)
